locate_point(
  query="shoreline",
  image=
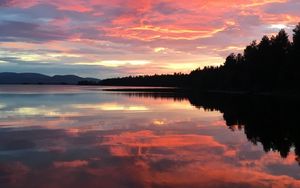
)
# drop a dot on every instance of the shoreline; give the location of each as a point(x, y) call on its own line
point(179, 90)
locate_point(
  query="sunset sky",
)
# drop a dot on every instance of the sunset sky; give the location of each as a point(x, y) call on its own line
point(108, 38)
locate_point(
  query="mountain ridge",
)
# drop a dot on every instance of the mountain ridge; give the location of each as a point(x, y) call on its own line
point(37, 78)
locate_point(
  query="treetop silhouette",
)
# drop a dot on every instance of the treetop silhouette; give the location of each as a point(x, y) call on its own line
point(269, 65)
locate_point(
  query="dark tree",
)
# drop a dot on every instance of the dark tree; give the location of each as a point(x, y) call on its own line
point(296, 37)
point(270, 65)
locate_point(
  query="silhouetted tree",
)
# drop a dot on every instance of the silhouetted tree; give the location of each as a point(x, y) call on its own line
point(296, 37)
point(269, 65)
point(294, 62)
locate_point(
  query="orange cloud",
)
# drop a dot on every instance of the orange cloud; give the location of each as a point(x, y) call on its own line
point(148, 139)
point(162, 32)
point(70, 164)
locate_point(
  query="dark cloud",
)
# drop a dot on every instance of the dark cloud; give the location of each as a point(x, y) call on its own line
point(277, 169)
point(290, 7)
point(169, 8)
point(18, 144)
point(30, 32)
point(5, 3)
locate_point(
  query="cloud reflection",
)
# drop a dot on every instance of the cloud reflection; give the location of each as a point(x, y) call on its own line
point(111, 107)
point(170, 144)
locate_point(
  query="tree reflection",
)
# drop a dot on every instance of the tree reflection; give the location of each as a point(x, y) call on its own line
point(271, 121)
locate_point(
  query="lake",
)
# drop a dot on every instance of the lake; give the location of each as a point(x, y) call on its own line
point(84, 136)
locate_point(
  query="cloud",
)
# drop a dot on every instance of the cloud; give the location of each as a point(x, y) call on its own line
point(290, 7)
point(4, 3)
point(70, 164)
point(116, 63)
point(162, 32)
point(22, 31)
point(168, 8)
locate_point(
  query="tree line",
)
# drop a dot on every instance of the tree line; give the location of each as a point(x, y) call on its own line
point(163, 80)
point(271, 64)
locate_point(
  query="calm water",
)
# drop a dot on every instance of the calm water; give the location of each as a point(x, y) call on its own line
point(69, 136)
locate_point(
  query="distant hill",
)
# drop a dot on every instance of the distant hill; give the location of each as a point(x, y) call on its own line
point(35, 78)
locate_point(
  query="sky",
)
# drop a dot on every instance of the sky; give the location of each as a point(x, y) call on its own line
point(109, 38)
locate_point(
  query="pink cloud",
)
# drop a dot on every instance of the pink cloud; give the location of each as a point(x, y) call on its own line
point(191, 33)
point(70, 164)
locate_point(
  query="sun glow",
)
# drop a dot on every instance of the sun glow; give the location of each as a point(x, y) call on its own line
point(32, 111)
point(278, 26)
point(116, 63)
point(111, 107)
point(159, 49)
point(159, 122)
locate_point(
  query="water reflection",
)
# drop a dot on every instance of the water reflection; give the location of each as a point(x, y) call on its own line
point(269, 120)
point(92, 139)
point(272, 122)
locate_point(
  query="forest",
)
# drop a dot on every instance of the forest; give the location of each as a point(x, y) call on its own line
point(272, 64)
